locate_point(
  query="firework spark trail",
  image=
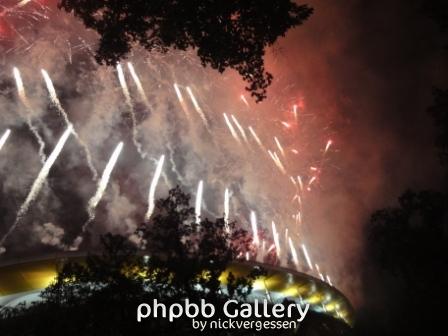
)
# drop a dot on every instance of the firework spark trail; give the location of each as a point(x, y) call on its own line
point(327, 147)
point(277, 142)
point(101, 187)
point(295, 258)
point(181, 100)
point(25, 102)
point(294, 111)
point(241, 129)
point(276, 237)
point(39, 182)
point(243, 98)
point(299, 179)
point(253, 222)
point(198, 205)
point(55, 100)
point(18, 5)
point(277, 161)
point(127, 97)
point(321, 276)
point(257, 139)
point(285, 124)
point(138, 83)
point(307, 257)
point(23, 3)
point(152, 188)
point(4, 138)
point(173, 166)
point(197, 107)
point(232, 130)
point(226, 209)
point(311, 181)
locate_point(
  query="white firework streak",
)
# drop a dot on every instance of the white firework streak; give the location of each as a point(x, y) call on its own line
point(253, 222)
point(127, 96)
point(152, 188)
point(138, 83)
point(93, 202)
point(4, 138)
point(102, 185)
point(276, 240)
point(198, 205)
point(295, 258)
point(321, 276)
point(39, 181)
point(307, 257)
point(226, 209)
point(257, 139)
point(197, 107)
point(277, 161)
point(25, 102)
point(181, 100)
point(277, 142)
point(23, 3)
point(243, 98)
point(232, 130)
point(55, 100)
point(241, 129)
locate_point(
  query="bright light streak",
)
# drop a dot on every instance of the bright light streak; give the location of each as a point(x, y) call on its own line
point(138, 83)
point(127, 96)
point(25, 102)
point(284, 123)
point(253, 222)
point(102, 184)
point(295, 258)
point(243, 134)
point(299, 179)
point(276, 237)
point(39, 181)
point(198, 206)
point(152, 188)
point(256, 138)
point(327, 147)
point(279, 146)
point(55, 100)
point(226, 209)
point(4, 138)
point(307, 257)
point(243, 98)
point(232, 130)
point(181, 100)
point(197, 107)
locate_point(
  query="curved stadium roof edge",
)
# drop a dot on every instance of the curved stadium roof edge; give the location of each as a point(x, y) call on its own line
point(23, 279)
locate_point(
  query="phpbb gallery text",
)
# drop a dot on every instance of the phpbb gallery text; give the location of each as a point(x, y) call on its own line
point(232, 314)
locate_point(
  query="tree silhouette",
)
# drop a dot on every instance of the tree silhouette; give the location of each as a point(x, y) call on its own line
point(439, 112)
point(225, 34)
point(99, 295)
point(176, 259)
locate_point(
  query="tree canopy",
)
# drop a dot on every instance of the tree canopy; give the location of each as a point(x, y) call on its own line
point(175, 258)
point(225, 34)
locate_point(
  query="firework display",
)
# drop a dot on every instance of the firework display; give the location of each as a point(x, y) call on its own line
point(256, 164)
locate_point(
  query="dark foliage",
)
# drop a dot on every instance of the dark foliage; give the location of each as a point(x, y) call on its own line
point(405, 282)
point(225, 34)
point(439, 112)
point(99, 295)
